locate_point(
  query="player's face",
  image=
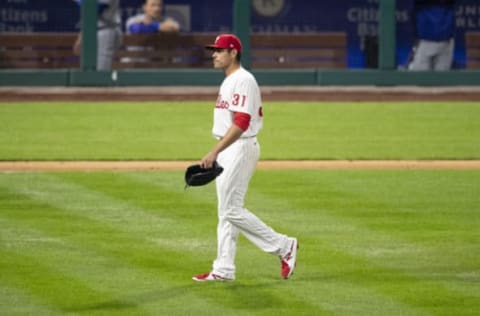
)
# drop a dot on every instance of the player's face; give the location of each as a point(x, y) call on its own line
point(223, 58)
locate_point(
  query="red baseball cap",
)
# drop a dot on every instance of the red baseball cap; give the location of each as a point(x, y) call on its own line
point(226, 41)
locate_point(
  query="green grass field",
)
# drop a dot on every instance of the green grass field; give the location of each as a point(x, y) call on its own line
point(372, 242)
point(127, 243)
point(181, 130)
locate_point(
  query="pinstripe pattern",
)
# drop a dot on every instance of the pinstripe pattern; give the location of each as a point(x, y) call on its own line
point(239, 162)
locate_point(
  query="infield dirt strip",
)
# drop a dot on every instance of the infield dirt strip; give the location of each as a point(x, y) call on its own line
point(33, 166)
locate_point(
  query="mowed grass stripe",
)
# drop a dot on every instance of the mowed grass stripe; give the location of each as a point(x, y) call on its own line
point(17, 302)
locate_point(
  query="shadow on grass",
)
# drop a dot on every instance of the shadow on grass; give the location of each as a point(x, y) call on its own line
point(248, 295)
point(133, 301)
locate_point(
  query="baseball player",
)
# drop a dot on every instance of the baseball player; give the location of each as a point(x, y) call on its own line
point(435, 32)
point(109, 33)
point(237, 120)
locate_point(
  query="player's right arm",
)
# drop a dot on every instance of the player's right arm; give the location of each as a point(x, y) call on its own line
point(240, 125)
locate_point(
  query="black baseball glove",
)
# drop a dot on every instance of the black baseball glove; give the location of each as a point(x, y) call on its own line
point(195, 175)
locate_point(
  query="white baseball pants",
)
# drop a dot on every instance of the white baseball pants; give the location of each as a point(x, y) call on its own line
point(239, 161)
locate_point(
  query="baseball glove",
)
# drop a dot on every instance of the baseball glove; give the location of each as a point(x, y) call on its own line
point(195, 175)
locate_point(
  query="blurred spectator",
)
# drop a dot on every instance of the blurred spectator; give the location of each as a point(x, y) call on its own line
point(109, 33)
point(151, 20)
point(435, 31)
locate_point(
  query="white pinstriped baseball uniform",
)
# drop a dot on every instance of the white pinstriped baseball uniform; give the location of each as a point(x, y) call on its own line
point(239, 92)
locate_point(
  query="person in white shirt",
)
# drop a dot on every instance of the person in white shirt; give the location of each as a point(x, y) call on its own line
point(237, 120)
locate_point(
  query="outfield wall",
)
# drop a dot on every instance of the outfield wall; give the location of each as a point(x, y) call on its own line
point(194, 77)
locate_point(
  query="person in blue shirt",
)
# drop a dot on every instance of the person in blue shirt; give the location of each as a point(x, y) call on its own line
point(151, 20)
point(109, 33)
point(435, 32)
